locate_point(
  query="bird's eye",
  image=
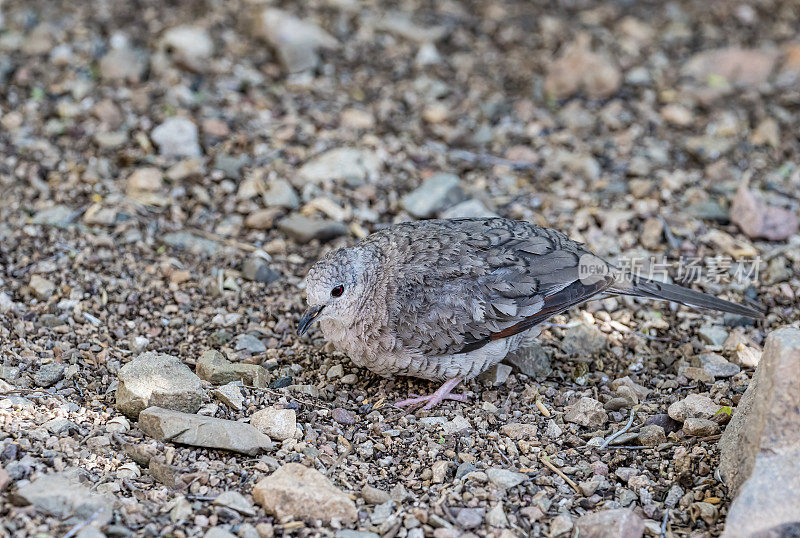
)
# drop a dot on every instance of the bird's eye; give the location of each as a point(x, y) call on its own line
point(337, 291)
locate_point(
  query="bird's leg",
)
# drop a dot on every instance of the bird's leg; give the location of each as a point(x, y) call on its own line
point(443, 393)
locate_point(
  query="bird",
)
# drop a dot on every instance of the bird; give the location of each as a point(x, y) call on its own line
point(446, 299)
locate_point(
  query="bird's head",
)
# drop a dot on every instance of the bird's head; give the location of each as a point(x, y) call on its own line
point(334, 288)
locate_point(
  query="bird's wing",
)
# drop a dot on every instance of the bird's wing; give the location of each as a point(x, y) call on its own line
point(467, 282)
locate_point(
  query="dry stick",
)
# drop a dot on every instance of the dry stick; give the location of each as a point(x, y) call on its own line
point(544, 459)
point(623, 430)
point(78, 526)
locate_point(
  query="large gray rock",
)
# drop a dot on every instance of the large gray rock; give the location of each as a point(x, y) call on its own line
point(619, 523)
point(215, 368)
point(154, 379)
point(300, 492)
point(532, 360)
point(278, 424)
point(760, 448)
point(64, 495)
point(199, 430)
point(587, 412)
point(435, 194)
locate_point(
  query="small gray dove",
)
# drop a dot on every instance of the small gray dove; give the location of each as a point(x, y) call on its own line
point(447, 299)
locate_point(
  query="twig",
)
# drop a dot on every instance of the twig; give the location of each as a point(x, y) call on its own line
point(663, 531)
point(544, 459)
point(623, 430)
point(78, 526)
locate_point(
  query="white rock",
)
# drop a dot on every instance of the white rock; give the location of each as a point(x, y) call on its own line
point(296, 41)
point(279, 424)
point(188, 46)
point(177, 137)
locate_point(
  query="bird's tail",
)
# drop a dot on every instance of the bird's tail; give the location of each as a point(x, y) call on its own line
point(642, 287)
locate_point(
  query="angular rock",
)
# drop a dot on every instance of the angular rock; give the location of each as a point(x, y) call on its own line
point(177, 137)
point(504, 479)
point(519, 430)
point(717, 366)
point(198, 430)
point(42, 287)
point(296, 41)
point(700, 427)
point(583, 339)
point(532, 360)
point(154, 379)
point(353, 166)
point(714, 335)
point(64, 495)
point(760, 449)
point(235, 501)
point(693, 406)
point(188, 46)
point(257, 269)
point(758, 220)
point(280, 193)
point(49, 374)
point(435, 194)
point(617, 523)
point(587, 412)
point(303, 229)
point(147, 179)
point(251, 343)
point(299, 492)
point(59, 215)
point(231, 395)
point(212, 366)
point(279, 424)
point(191, 243)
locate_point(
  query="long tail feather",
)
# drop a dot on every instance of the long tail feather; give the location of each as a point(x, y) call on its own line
point(641, 287)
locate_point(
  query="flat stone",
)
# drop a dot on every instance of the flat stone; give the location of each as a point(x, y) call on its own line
point(304, 229)
point(714, 335)
point(154, 379)
point(231, 395)
point(257, 269)
point(745, 67)
point(299, 492)
point(616, 523)
point(296, 41)
point(504, 479)
point(457, 425)
point(435, 194)
point(64, 495)
point(279, 424)
point(467, 209)
point(700, 427)
point(177, 137)
point(280, 193)
point(532, 360)
point(235, 501)
point(198, 430)
point(373, 495)
point(716, 365)
point(250, 343)
point(694, 405)
point(191, 243)
point(583, 340)
point(212, 366)
point(760, 449)
point(49, 374)
point(353, 166)
point(519, 430)
point(59, 215)
point(587, 412)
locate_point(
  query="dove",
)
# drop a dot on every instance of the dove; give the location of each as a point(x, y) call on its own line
point(445, 300)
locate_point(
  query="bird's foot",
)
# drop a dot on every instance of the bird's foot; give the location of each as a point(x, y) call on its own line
point(432, 400)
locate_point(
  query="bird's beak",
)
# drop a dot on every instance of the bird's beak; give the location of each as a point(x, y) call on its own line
point(308, 318)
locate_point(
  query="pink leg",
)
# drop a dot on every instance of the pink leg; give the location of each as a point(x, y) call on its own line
point(443, 393)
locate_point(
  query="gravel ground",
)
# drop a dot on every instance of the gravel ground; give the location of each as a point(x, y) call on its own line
point(169, 171)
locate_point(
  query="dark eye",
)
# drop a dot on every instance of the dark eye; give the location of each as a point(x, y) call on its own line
point(337, 291)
